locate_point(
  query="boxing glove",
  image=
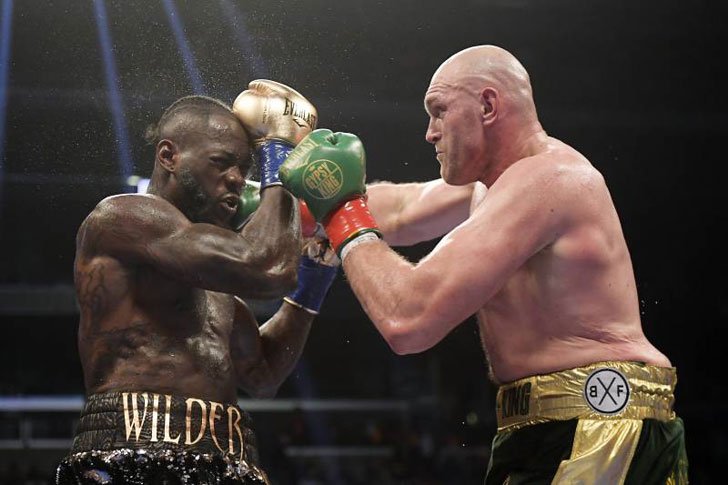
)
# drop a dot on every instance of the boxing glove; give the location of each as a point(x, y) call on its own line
point(327, 171)
point(277, 118)
point(250, 200)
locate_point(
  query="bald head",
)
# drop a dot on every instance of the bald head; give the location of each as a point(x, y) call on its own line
point(482, 115)
point(479, 67)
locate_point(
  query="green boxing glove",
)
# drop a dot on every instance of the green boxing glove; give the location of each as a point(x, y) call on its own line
point(327, 170)
point(249, 202)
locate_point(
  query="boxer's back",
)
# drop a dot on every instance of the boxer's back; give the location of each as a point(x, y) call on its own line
point(574, 301)
point(142, 330)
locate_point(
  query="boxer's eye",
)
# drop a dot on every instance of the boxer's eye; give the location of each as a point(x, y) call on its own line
point(436, 111)
point(220, 161)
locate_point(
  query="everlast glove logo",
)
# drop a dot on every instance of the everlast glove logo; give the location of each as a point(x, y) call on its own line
point(322, 179)
point(298, 112)
point(515, 400)
point(202, 419)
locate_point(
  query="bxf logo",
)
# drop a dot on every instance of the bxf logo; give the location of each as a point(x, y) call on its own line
point(606, 391)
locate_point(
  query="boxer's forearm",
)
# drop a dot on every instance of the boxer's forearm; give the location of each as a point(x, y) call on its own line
point(282, 338)
point(274, 234)
point(396, 295)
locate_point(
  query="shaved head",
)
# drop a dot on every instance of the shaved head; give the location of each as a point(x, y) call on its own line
point(482, 114)
point(489, 66)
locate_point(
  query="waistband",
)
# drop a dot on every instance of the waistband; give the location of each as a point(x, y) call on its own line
point(161, 422)
point(603, 390)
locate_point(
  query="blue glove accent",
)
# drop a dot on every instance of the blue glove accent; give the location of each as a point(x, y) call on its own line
point(272, 155)
point(314, 281)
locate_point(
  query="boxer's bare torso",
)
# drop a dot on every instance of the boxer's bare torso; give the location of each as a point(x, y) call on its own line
point(539, 257)
point(145, 325)
point(574, 301)
point(140, 330)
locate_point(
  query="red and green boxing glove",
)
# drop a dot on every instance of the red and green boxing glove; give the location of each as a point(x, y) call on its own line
point(327, 171)
point(249, 202)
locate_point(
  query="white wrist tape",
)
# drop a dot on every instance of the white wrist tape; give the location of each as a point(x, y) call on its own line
point(366, 237)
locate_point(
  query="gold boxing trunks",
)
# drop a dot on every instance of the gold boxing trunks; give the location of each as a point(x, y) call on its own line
point(604, 423)
point(601, 391)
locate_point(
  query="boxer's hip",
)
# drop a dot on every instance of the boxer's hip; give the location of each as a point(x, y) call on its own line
point(601, 391)
point(608, 422)
point(120, 427)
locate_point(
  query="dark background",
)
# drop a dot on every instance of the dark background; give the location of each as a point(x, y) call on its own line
point(634, 85)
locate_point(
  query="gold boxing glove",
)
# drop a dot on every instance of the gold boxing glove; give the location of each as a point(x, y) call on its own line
point(274, 111)
point(277, 118)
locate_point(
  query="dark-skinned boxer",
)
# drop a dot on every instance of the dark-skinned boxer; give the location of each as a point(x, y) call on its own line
point(165, 338)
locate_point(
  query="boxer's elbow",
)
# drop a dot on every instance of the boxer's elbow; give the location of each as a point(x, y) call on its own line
point(276, 275)
point(406, 336)
point(264, 392)
point(283, 278)
point(403, 346)
point(283, 269)
point(258, 382)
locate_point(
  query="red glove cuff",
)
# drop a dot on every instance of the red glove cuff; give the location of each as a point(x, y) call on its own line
point(308, 223)
point(348, 221)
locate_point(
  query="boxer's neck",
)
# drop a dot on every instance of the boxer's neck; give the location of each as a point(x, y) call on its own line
point(512, 144)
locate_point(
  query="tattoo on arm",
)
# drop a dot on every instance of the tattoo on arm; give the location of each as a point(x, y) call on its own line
point(92, 293)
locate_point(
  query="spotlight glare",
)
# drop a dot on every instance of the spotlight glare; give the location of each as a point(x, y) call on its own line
point(123, 145)
point(142, 185)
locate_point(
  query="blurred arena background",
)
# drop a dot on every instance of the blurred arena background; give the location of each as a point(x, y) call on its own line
point(633, 85)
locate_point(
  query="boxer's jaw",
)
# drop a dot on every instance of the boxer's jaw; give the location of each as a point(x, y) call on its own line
point(198, 202)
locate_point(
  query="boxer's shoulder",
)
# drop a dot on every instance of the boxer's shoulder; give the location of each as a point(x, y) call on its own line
point(133, 206)
point(560, 173)
point(118, 214)
point(122, 225)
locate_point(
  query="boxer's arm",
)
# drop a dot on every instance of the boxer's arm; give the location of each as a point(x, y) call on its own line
point(415, 212)
point(259, 262)
point(415, 306)
point(263, 357)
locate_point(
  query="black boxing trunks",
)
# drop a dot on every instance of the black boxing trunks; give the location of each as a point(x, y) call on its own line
point(150, 438)
point(605, 423)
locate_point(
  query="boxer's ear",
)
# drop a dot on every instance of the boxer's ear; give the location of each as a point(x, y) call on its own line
point(489, 100)
point(166, 154)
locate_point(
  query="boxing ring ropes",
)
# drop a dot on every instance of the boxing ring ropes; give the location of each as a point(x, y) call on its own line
point(24, 407)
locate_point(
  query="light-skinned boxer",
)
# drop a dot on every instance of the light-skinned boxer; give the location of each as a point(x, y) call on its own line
point(539, 257)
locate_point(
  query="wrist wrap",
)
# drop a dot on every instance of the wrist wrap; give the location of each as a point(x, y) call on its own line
point(355, 241)
point(272, 154)
point(314, 280)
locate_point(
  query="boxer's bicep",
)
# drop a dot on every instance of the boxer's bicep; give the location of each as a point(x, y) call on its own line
point(478, 257)
point(411, 213)
point(265, 355)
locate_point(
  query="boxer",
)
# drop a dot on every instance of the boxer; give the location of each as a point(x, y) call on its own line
point(539, 257)
point(165, 338)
